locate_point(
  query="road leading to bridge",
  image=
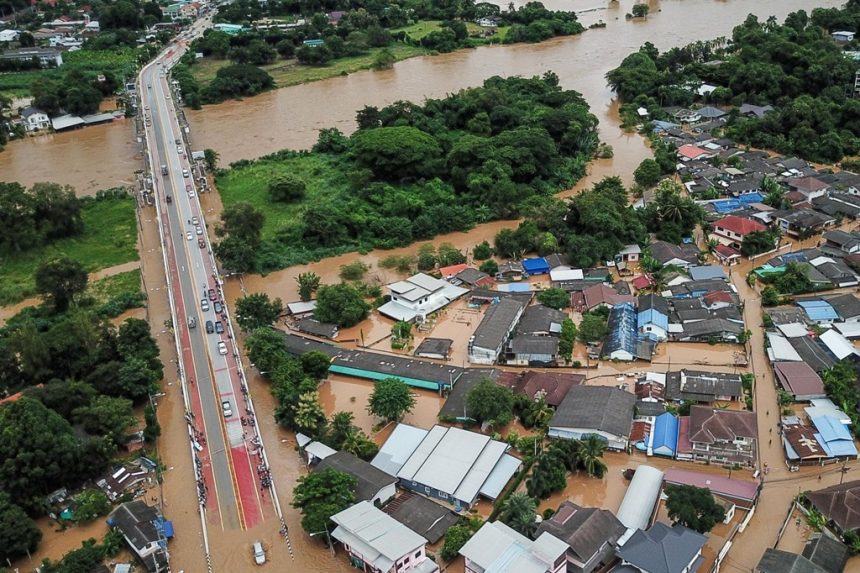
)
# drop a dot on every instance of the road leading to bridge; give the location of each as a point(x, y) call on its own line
point(233, 483)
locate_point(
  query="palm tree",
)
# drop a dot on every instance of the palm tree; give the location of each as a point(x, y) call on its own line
point(340, 428)
point(518, 512)
point(712, 245)
point(589, 456)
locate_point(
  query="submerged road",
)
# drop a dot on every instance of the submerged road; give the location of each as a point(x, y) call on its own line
point(233, 485)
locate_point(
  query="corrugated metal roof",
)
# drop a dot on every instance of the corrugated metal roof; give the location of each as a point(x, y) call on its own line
point(319, 450)
point(398, 447)
point(818, 310)
point(665, 435)
point(837, 344)
point(480, 470)
point(375, 534)
point(623, 334)
point(638, 502)
point(781, 349)
point(500, 476)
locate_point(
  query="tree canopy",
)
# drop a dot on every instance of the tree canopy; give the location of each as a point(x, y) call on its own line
point(257, 311)
point(321, 494)
point(693, 507)
point(490, 403)
point(340, 304)
point(391, 399)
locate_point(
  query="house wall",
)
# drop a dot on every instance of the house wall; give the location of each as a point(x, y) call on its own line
point(428, 491)
point(480, 355)
point(741, 451)
point(653, 331)
point(384, 494)
point(613, 442)
point(526, 359)
point(402, 565)
point(605, 555)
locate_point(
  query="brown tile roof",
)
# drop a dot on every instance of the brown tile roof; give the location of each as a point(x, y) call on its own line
point(839, 503)
point(798, 378)
point(554, 385)
point(708, 425)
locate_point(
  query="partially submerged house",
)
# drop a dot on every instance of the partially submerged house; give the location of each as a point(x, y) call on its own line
point(700, 386)
point(418, 296)
point(590, 533)
point(664, 549)
point(372, 484)
point(595, 410)
point(145, 531)
point(496, 548)
point(723, 436)
point(489, 339)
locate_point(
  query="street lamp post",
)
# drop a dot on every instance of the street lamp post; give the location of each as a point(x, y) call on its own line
point(328, 538)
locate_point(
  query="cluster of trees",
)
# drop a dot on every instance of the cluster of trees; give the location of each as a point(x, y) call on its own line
point(233, 81)
point(550, 471)
point(257, 311)
point(795, 67)
point(418, 171)
point(35, 216)
point(693, 507)
point(321, 494)
point(840, 383)
point(75, 92)
point(80, 377)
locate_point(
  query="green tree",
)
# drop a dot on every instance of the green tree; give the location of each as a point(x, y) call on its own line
point(315, 365)
point(455, 538)
point(549, 475)
point(490, 403)
point(640, 10)
point(567, 339)
point(320, 495)
point(106, 416)
point(589, 454)
point(693, 507)
point(770, 296)
point(210, 158)
point(340, 304)
point(153, 428)
point(395, 153)
point(308, 284)
point(482, 251)
point(758, 242)
point(353, 271)
point(60, 281)
point(794, 279)
point(243, 222)
point(92, 503)
point(648, 173)
point(554, 298)
point(265, 348)
point(309, 416)
point(257, 311)
point(18, 533)
point(391, 400)
point(490, 267)
point(287, 188)
point(519, 512)
point(592, 328)
point(384, 60)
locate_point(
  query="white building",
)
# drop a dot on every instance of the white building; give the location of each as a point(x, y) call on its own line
point(496, 548)
point(496, 326)
point(418, 296)
point(9, 35)
point(378, 542)
point(35, 119)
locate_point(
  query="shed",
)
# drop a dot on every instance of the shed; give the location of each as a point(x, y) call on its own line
point(434, 348)
point(639, 501)
point(840, 346)
point(318, 451)
point(536, 266)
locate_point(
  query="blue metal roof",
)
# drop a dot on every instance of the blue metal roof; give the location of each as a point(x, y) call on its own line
point(623, 333)
point(834, 436)
point(652, 316)
point(536, 266)
point(818, 310)
point(706, 272)
point(665, 435)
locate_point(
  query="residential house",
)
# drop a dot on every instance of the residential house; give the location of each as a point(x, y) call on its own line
point(629, 254)
point(800, 380)
point(512, 271)
point(711, 329)
point(536, 266)
point(622, 342)
point(738, 491)
point(803, 223)
point(563, 274)
point(706, 273)
point(423, 516)
point(723, 436)
point(842, 37)
point(642, 495)
point(683, 256)
point(653, 317)
point(551, 386)
point(492, 333)
point(301, 309)
point(811, 187)
point(447, 464)
point(750, 110)
point(847, 306)
point(35, 119)
point(531, 350)
point(472, 278)
point(418, 296)
point(664, 549)
point(372, 484)
point(839, 504)
point(376, 541)
point(732, 230)
point(590, 533)
point(145, 531)
point(121, 480)
point(451, 271)
point(821, 554)
point(48, 57)
point(698, 386)
point(595, 410)
point(598, 295)
point(710, 112)
point(845, 242)
point(496, 548)
point(437, 348)
point(316, 328)
point(541, 320)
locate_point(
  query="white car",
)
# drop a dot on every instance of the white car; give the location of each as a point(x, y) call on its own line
point(226, 408)
point(185, 173)
point(259, 554)
point(198, 230)
point(222, 348)
point(189, 236)
point(195, 221)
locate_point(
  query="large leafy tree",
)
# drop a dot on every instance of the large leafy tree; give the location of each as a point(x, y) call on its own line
point(309, 415)
point(18, 533)
point(340, 304)
point(308, 284)
point(322, 494)
point(106, 416)
point(257, 311)
point(693, 507)
point(554, 298)
point(391, 399)
point(60, 281)
point(519, 512)
point(490, 403)
point(592, 328)
point(395, 152)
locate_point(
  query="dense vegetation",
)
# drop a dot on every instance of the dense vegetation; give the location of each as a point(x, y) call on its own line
point(840, 383)
point(411, 172)
point(303, 34)
point(48, 221)
point(795, 67)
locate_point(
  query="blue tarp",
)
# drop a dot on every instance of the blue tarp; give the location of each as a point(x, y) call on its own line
point(818, 310)
point(536, 266)
point(665, 435)
point(729, 205)
point(167, 528)
point(514, 287)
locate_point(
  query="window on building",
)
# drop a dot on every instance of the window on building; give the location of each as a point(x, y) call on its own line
point(417, 554)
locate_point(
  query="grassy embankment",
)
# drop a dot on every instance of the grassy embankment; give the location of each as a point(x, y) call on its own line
point(122, 63)
point(109, 239)
point(290, 72)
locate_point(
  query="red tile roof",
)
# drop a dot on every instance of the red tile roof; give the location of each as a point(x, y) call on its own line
point(642, 281)
point(717, 296)
point(727, 251)
point(554, 385)
point(739, 225)
point(807, 184)
point(840, 503)
point(448, 272)
point(708, 425)
point(640, 429)
point(691, 151)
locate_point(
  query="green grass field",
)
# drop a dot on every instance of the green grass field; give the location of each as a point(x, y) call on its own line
point(109, 239)
point(117, 293)
point(290, 72)
point(323, 175)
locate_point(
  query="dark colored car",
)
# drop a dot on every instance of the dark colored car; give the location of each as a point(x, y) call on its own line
point(217, 307)
point(219, 327)
point(210, 328)
point(202, 244)
point(212, 295)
